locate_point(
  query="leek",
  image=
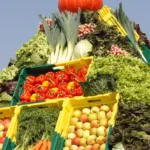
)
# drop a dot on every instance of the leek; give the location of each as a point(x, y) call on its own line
point(69, 24)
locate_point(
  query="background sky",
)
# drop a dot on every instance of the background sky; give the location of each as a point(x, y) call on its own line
point(19, 21)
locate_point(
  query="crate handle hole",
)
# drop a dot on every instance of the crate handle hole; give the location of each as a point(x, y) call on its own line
point(94, 101)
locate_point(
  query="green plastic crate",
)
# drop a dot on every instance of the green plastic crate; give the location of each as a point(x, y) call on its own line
point(42, 69)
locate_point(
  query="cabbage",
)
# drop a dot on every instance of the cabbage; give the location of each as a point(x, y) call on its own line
point(82, 48)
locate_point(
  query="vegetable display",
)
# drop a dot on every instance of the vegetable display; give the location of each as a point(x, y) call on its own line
point(36, 128)
point(89, 128)
point(76, 32)
point(54, 85)
point(73, 5)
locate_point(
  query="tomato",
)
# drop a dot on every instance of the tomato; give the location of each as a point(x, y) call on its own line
point(72, 92)
point(38, 88)
point(71, 71)
point(40, 79)
point(53, 83)
point(62, 85)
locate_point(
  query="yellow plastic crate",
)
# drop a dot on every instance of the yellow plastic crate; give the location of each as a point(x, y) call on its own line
point(54, 104)
point(71, 105)
point(106, 16)
point(7, 112)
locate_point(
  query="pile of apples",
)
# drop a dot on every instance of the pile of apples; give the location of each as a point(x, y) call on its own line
point(4, 124)
point(89, 128)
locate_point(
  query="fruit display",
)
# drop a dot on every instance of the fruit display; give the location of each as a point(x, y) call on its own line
point(4, 125)
point(89, 128)
point(54, 85)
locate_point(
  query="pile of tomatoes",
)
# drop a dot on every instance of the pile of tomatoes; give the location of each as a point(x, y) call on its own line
point(61, 84)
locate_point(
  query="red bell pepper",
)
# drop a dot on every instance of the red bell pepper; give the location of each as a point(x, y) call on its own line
point(40, 78)
point(62, 92)
point(51, 94)
point(30, 80)
point(79, 91)
point(50, 76)
point(25, 97)
point(62, 76)
point(53, 83)
point(62, 85)
point(72, 92)
point(84, 70)
point(38, 88)
point(40, 96)
point(28, 88)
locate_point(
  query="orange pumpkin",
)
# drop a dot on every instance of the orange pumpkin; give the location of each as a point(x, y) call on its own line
point(73, 5)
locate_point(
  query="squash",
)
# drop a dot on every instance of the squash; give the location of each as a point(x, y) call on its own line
point(73, 5)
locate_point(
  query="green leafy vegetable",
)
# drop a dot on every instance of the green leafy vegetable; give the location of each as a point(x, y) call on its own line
point(34, 52)
point(103, 83)
point(8, 73)
point(33, 123)
point(130, 72)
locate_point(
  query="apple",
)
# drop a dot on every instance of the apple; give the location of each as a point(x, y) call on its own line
point(74, 120)
point(86, 126)
point(77, 113)
point(95, 147)
point(71, 129)
point(74, 147)
point(86, 133)
point(91, 140)
point(95, 124)
point(84, 118)
point(109, 115)
point(105, 108)
point(104, 122)
point(93, 131)
point(81, 148)
point(71, 136)
point(79, 125)
point(88, 147)
point(82, 142)
point(100, 140)
point(101, 115)
point(86, 111)
point(75, 141)
point(93, 116)
point(79, 132)
point(68, 142)
point(101, 131)
point(95, 109)
point(94, 136)
point(66, 148)
point(102, 147)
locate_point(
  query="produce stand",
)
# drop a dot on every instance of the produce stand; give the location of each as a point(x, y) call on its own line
point(82, 82)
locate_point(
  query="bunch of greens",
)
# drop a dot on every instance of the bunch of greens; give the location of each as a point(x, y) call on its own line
point(132, 126)
point(5, 99)
point(104, 36)
point(34, 52)
point(132, 75)
point(8, 73)
point(33, 123)
point(103, 83)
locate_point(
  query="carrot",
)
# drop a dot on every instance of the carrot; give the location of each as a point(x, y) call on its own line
point(49, 143)
point(44, 147)
point(38, 145)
